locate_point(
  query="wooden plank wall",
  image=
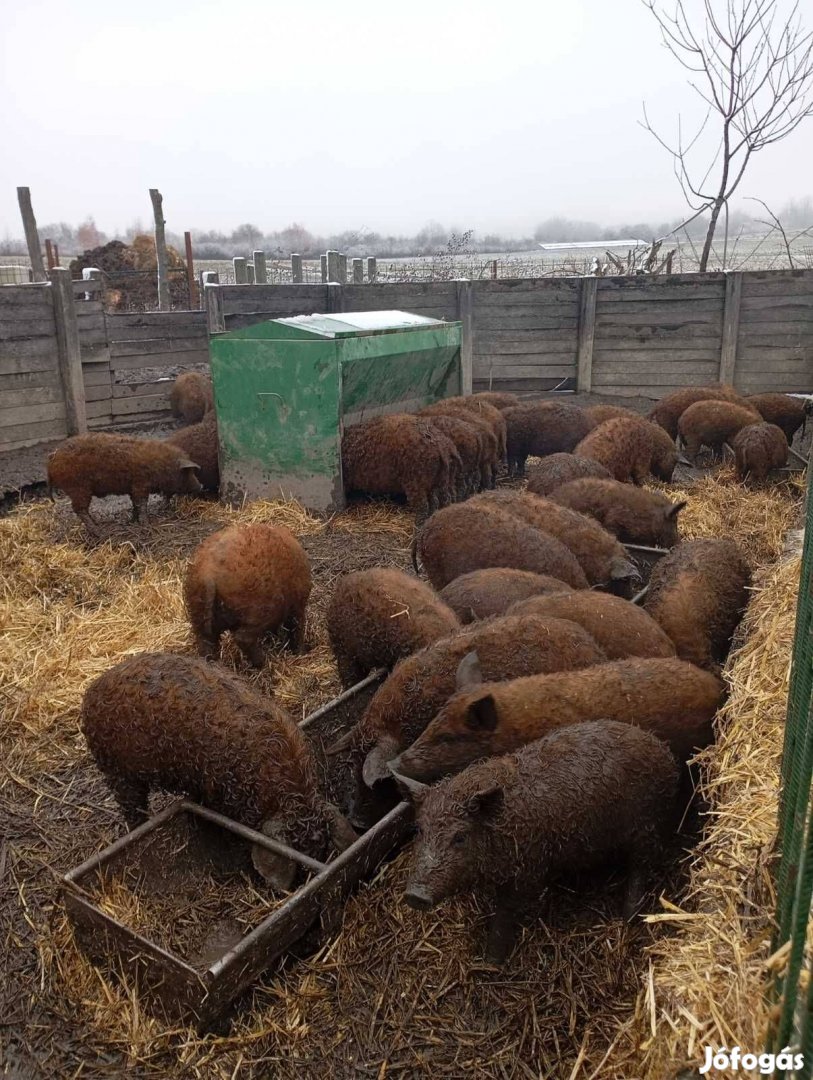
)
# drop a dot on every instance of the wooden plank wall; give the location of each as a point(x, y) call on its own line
point(243, 305)
point(435, 300)
point(775, 340)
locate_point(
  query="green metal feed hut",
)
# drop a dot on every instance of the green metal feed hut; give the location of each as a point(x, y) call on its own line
point(286, 389)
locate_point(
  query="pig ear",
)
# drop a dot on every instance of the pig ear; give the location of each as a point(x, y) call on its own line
point(411, 789)
point(675, 509)
point(468, 673)
point(342, 832)
point(278, 870)
point(185, 463)
point(481, 714)
point(375, 767)
point(486, 802)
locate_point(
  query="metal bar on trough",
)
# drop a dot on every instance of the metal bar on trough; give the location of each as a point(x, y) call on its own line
point(351, 692)
point(647, 550)
point(124, 841)
point(255, 837)
point(639, 596)
point(797, 456)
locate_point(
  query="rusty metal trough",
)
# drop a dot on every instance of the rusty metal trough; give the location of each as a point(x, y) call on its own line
point(185, 838)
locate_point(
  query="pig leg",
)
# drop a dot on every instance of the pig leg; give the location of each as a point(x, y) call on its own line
point(80, 503)
point(208, 649)
point(350, 672)
point(502, 931)
point(641, 857)
point(248, 642)
point(297, 632)
point(416, 499)
point(139, 499)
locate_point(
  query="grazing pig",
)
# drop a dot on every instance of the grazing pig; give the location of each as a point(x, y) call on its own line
point(252, 580)
point(758, 448)
point(668, 410)
point(664, 453)
point(484, 593)
point(191, 397)
point(603, 559)
point(620, 628)
point(499, 400)
point(698, 593)
point(634, 515)
point(377, 617)
point(199, 442)
point(786, 412)
point(624, 446)
point(712, 423)
point(508, 826)
point(158, 721)
point(401, 454)
point(100, 465)
point(462, 538)
point(599, 413)
point(485, 417)
point(477, 448)
point(540, 428)
point(557, 469)
point(674, 700)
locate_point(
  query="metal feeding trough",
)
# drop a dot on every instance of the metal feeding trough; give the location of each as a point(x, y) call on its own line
point(186, 849)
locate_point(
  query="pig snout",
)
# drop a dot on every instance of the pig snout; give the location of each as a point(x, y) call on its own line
point(418, 896)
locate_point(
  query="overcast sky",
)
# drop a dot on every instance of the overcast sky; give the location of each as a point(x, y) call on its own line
point(475, 113)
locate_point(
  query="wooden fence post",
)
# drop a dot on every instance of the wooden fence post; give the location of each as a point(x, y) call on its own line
point(731, 326)
point(49, 255)
point(240, 272)
point(372, 271)
point(213, 303)
point(296, 269)
point(342, 269)
point(587, 331)
point(69, 351)
point(56, 254)
point(164, 302)
point(260, 270)
point(32, 237)
point(190, 270)
point(323, 267)
point(358, 271)
point(465, 310)
point(333, 271)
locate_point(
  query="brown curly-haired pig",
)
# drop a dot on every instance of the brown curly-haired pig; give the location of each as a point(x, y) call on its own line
point(788, 413)
point(486, 418)
point(484, 593)
point(191, 397)
point(199, 441)
point(599, 413)
point(620, 628)
point(624, 446)
point(698, 593)
point(101, 465)
point(539, 428)
point(758, 448)
point(635, 515)
point(712, 423)
point(554, 470)
point(478, 463)
point(669, 409)
point(377, 617)
point(674, 700)
point(499, 400)
point(420, 685)
point(464, 537)
point(252, 580)
point(401, 454)
point(508, 826)
point(603, 559)
point(173, 723)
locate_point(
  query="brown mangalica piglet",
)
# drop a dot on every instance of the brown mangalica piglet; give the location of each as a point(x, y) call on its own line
point(635, 515)
point(509, 826)
point(100, 465)
point(556, 469)
point(618, 626)
point(162, 722)
point(484, 593)
point(712, 423)
point(669, 409)
point(786, 412)
point(674, 700)
point(252, 580)
point(475, 408)
point(542, 427)
point(462, 538)
point(759, 448)
point(420, 685)
point(599, 413)
point(629, 448)
point(199, 443)
point(191, 397)
point(499, 400)
point(377, 617)
point(477, 464)
point(490, 431)
point(698, 593)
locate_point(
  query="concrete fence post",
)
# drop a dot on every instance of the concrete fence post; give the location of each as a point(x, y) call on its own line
point(587, 331)
point(372, 271)
point(296, 269)
point(260, 269)
point(342, 268)
point(69, 351)
point(213, 302)
point(333, 267)
point(465, 312)
point(323, 267)
point(358, 271)
point(249, 273)
point(731, 326)
point(240, 272)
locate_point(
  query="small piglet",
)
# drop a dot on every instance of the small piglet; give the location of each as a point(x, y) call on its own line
point(565, 803)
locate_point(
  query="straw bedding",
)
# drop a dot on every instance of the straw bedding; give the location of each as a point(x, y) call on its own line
point(396, 992)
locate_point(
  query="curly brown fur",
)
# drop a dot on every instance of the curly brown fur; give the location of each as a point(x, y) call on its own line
point(698, 593)
point(668, 410)
point(540, 428)
point(252, 580)
point(191, 397)
point(624, 447)
point(712, 423)
point(758, 448)
point(620, 628)
point(674, 700)
point(199, 442)
point(401, 454)
point(476, 444)
point(158, 721)
point(486, 419)
point(664, 453)
point(498, 400)
point(603, 559)
point(786, 412)
point(587, 795)
point(634, 515)
point(484, 593)
point(557, 469)
point(100, 465)
point(464, 537)
point(377, 617)
point(599, 413)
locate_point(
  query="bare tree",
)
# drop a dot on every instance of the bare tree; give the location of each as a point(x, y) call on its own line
point(753, 67)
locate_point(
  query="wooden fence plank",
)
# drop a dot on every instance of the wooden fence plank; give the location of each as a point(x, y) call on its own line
point(148, 403)
point(39, 395)
point(21, 435)
point(20, 360)
point(151, 360)
point(28, 380)
point(31, 414)
point(586, 335)
point(17, 296)
point(665, 377)
point(152, 387)
point(529, 322)
point(145, 346)
point(522, 371)
point(731, 327)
